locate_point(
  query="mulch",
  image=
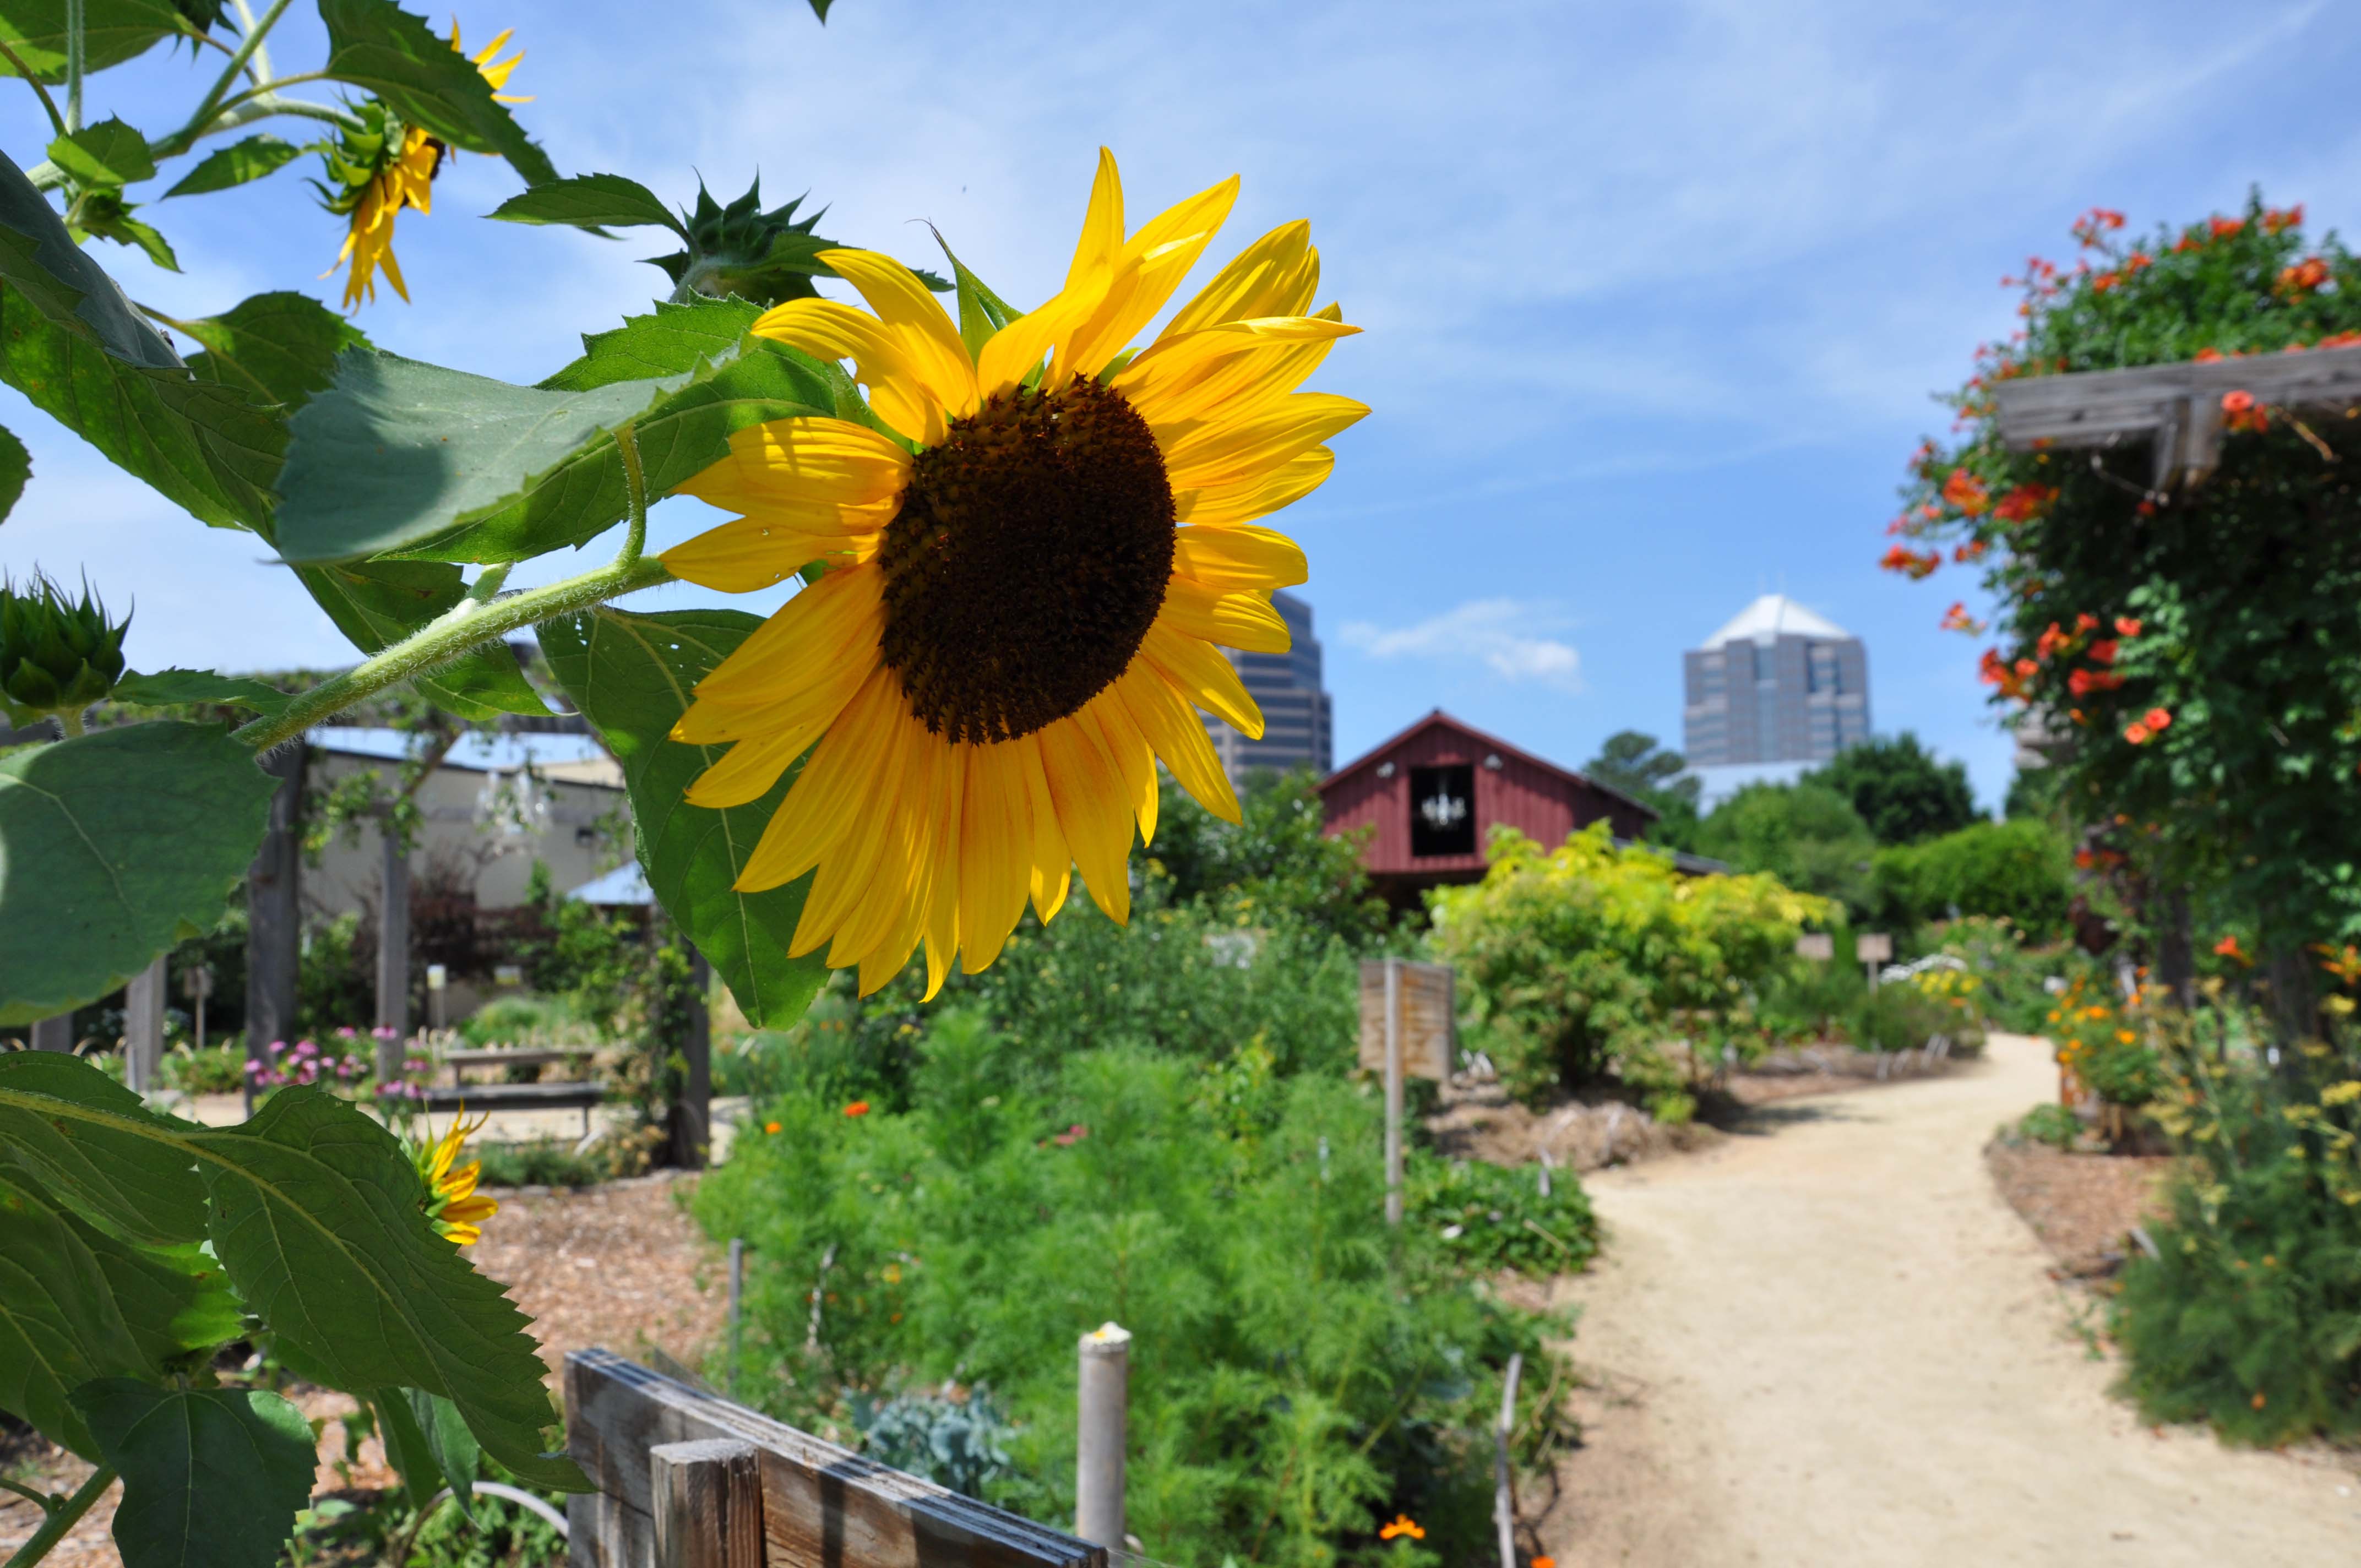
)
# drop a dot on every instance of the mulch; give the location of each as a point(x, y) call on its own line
point(2081, 1206)
point(621, 1265)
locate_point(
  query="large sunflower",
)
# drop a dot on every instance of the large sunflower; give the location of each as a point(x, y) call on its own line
point(1023, 592)
point(388, 166)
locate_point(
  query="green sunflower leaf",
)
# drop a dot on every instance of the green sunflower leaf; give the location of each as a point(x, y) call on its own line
point(280, 345)
point(593, 202)
point(317, 1217)
point(819, 9)
point(235, 164)
point(113, 32)
point(982, 313)
point(400, 458)
point(167, 688)
point(631, 676)
point(115, 843)
point(105, 214)
point(381, 49)
point(674, 341)
point(16, 471)
point(212, 1477)
point(379, 603)
point(40, 263)
point(110, 154)
point(430, 1445)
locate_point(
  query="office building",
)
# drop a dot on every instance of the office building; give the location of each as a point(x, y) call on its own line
point(1778, 685)
point(1294, 705)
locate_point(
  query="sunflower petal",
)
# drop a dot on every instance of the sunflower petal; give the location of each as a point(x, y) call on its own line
point(1088, 787)
point(1199, 672)
point(910, 311)
point(1102, 236)
point(1244, 557)
point(1134, 757)
point(1052, 862)
point(1227, 452)
point(1243, 500)
point(1275, 275)
point(1243, 621)
point(1151, 267)
point(886, 362)
point(1172, 727)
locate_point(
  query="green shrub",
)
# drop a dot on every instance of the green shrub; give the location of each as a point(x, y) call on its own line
point(216, 1069)
point(1584, 961)
point(528, 1020)
point(2051, 1125)
point(1899, 790)
point(1806, 834)
point(2018, 871)
point(335, 979)
point(1490, 1217)
point(544, 1162)
point(1300, 1372)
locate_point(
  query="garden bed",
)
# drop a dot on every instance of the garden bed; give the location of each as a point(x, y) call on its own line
point(2081, 1206)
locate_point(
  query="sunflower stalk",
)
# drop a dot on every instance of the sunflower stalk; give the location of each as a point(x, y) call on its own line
point(74, 64)
point(62, 1517)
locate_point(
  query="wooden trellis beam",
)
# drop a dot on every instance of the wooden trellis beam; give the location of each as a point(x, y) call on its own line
point(2178, 407)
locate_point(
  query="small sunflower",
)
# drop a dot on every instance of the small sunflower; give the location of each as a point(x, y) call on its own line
point(386, 166)
point(453, 1204)
point(1027, 580)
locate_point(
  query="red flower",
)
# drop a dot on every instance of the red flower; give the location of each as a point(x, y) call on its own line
point(2157, 719)
point(2277, 220)
point(2304, 276)
point(2135, 732)
point(1957, 619)
point(1071, 1135)
point(2103, 651)
point(1967, 492)
point(2027, 668)
point(2208, 356)
point(2051, 641)
point(858, 1108)
point(2084, 860)
point(2222, 228)
point(1973, 550)
point(2025, 503)
point(1911, 563)
point(2238, 402)
point(2228, 947)
point(2126, 627)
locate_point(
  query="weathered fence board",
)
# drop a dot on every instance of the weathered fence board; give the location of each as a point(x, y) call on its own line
point(823, 1507)
point(709, 1504)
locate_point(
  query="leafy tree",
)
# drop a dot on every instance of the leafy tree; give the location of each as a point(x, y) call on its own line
point(1806, 834)
point(1645, 769)
point(2017, 869)
point(1900, 790)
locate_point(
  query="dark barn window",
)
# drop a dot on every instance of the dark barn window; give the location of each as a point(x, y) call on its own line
point(1442, 811)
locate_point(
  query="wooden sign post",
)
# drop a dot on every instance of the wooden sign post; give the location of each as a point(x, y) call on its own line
point(1873, 948)
point(1408, 1025)
point(1815, 945)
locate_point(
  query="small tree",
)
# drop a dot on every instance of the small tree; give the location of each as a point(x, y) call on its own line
point(1899, 789)
point(1806, 834)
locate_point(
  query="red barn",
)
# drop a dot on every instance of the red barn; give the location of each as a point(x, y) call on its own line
point(1435, 792)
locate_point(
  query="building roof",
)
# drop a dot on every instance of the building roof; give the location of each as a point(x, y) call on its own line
point(557, 754)
point(623, 885)
point(1772, 616)
point(1440, 718)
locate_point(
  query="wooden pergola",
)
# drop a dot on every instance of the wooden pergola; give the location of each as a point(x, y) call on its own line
point(2175, 408)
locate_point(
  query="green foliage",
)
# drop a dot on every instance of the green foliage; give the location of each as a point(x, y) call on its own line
point(113, 32)
point(631, 676)
point(1900, 790)
point(1638, 765)
point(1291, 1388)
point(1277, 858)
point(383, 49)
point(173, 689)
point(282, 346)
point(1489, 1217)
point(336, 980)
point(116, 843)
point(314, 1212)
point(235, 164)
point(2249, 1317)
point(41, 265)
point(542, 1163)
point(2232, 609)
point(106, 152)
point(741, 250)
point(2052, 1124)
point(593, 202)
point(15, 470)
point(1804, 834)
point(212, 1477)
point(671, 340)
point(1584, 961)
point(2017, 870)
point(216, 1069)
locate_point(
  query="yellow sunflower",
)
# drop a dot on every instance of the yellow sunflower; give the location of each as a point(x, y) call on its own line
point(1024, 594)
point(453, 1204)
point(395, 175)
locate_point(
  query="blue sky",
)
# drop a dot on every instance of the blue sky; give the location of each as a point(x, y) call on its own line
point(1654, 295)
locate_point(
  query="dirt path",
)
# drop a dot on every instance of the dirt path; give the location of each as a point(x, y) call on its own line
point(1833, 1344)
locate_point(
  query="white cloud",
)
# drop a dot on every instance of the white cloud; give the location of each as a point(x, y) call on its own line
point(1505, 635)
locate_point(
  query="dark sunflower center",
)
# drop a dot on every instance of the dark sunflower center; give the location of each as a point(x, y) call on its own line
point(1028, 560)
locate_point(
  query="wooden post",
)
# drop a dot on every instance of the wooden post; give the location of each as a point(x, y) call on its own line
point(274, 916)
point(143, 1027)
point(692, 1107)
point(1504, 1483)
point(54, 1033)
point(392, 955)
point(197, 985)
point(1103, 1412)
point(1393, 1093)
point(737, 1296)
point(709, 1503)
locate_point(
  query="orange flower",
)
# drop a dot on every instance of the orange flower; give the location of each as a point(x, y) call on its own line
point(2304, 276)
point(2126, 627)
point(858, 1108)
point(2157, 719)
point(1957, 619)
point(2103, 651)
point(1402, 1525)
point(1911, 563)
point(2238, 402)
point(2085, 621)
point(2345, 964)
point(2051, 641)
point(2277, 220)
point(2208, 356)
point(2222, 228)
point(2228, 947)
point(2027, 668)
point(1967, 492)
point(2025, 503)
point(1973, 550)
point(2135, 732)
point(770, 1126)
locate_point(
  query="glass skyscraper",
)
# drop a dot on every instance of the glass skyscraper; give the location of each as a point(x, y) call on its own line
point(1295, 711)
point(1777, 685)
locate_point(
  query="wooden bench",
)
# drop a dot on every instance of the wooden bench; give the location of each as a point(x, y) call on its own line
point(688, 1479)
point(584, 1097)
point(520, 1056)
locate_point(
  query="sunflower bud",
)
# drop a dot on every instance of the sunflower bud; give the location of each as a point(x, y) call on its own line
point(56, 655)
point(763, 257)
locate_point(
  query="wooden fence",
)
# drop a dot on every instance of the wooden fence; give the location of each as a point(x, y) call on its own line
point(688, 1479)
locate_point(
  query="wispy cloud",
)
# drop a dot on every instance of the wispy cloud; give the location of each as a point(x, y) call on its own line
point(1507, 636)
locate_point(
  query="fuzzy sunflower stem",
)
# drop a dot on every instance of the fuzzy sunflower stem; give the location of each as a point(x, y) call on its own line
point(74, 65)
point(636, 492)
point(258, 66)
point(70, 720)
point(62, 1517)
point(211, 102)
point(462, 629)
point(49, 104)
